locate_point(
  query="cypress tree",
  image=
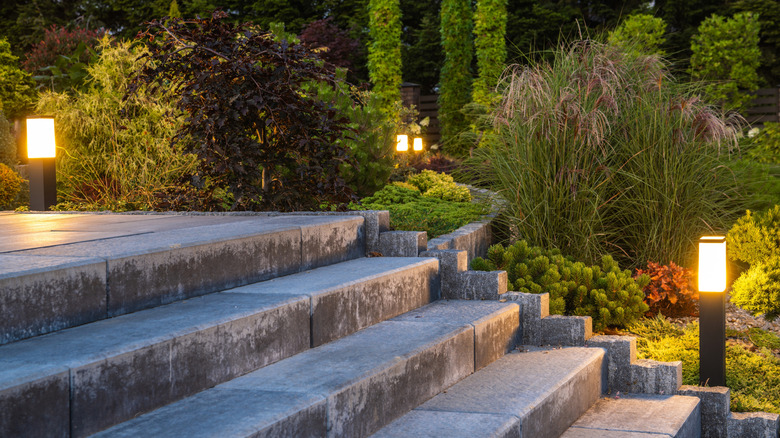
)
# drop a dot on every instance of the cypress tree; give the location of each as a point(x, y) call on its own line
point(384, 53)
point(455, 91)
point(490, 45)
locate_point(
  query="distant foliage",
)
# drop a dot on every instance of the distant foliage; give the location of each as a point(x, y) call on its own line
point(7, 143)
point(17, 89)
point(726, 56)
point(370, 138)
point(60, 42)
point(10, 183)
point(643, 33)
point(455, 80)
point(755, 237)
point(437, 163)
point(262, 141)
point(765, 146)
point(334, 45)
point(384, 52)
point(610, 296)
point(490, 47)
point(671, 291)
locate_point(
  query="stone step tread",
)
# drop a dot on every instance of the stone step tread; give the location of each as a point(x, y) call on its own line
point(190, 345)
point(645, 416)
point(77, 282)
point(349, 387)
point(534, 393)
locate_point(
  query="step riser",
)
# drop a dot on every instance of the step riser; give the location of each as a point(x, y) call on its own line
point(120, 388)
point(36, 409)
point(569, 402)
point(368, 405)
point(347, 310)
point(113, 280)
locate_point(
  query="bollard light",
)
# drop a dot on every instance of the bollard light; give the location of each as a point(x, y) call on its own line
point(417, 145)
point(41, 149)
point(402, 143)
point(712, 310)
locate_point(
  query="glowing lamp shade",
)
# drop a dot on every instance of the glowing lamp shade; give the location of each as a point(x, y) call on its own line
point(402, 143)
point(40, 137)
point(417, 146)
point(712, 264)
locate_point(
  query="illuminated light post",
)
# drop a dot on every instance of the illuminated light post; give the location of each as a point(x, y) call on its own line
point(41, 155)
point(418, 144)
point(712, 310)
point(402, 143)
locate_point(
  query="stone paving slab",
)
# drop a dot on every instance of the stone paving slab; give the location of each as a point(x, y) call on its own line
point(366, 379)
point(671, 416)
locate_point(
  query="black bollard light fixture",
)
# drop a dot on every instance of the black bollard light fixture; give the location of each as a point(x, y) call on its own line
point(712, 311)
point(41, 160)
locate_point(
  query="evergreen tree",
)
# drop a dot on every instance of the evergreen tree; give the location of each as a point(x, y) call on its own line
point(456, 28)
point(17, 89)
point(173, 11)
point(490, 45)
point(642, 33)
point(384, 53)
point(726, 56)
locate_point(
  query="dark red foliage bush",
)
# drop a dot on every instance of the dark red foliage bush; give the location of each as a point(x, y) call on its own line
point(671, 291)
point(59, 41)
point(263, 142)
point(341, 49)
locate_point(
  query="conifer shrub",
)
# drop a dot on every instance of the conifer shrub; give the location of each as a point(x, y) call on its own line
point(610, 296)
point(758, 289)
point(670, 291)
point(439, 185)
point(755, 237)
point(10, 184)
point(412, 210)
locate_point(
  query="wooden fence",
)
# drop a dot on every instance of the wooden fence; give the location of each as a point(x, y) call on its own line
point(765, 107)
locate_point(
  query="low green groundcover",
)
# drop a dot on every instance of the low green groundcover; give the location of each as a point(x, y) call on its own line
point(752, 366)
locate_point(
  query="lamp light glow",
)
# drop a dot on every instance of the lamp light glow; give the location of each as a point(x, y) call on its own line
point(40, 137)
point(402, 143)
point(418, 144)
point(712, 264)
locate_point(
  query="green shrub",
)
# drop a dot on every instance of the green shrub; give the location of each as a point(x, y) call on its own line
point(7, 142)
point(610, 296)
point(642, 33)
point(755, 237)
point(114, 152)
point(10, 184)
point(439, 185)
point(765, 146)
point(384, 52)
point(411, 211)
point(758, 289)
point(603, 152)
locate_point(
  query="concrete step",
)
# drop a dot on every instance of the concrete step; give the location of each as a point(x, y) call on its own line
point(347, 388)
point(79, 276)
point(640, 416)
point(87, 378)
point(533, 394)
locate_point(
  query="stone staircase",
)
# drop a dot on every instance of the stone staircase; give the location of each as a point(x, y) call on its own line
point(282, 326)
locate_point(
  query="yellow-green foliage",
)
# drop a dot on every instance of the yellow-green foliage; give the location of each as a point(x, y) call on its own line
point(604, 292)
point(439, 185)
point(758, 289)
point(755, 237)
point(753, 377)
point(412, 211)
point(7, 142)
point(10, 183)
point(114, 153)
point(642, 33)
point(490, 44)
